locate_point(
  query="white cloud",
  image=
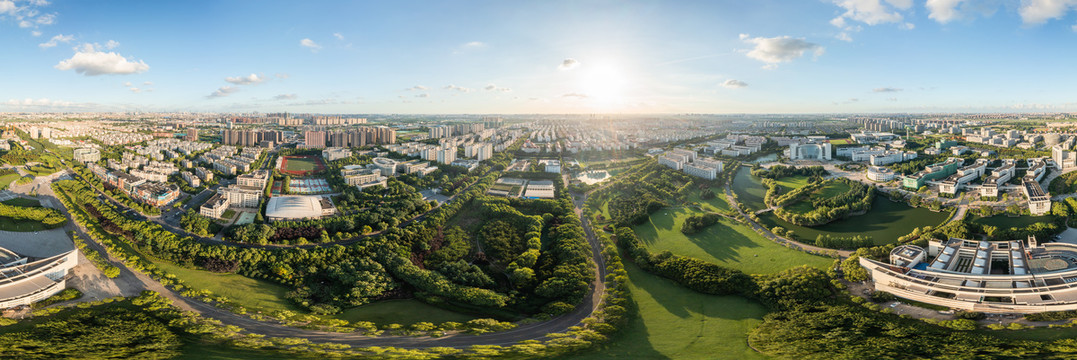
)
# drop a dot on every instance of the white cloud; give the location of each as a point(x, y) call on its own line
point(844, 36)
point(47, 19)
point(135, 90)
point(61, 38)
point(338, 36)
point(25, 24)
point(222, 92)
point(245, 80)
point(838, 21)
point(734, 84)
point(423, 95)
point(35, 33)
point(457, 88)
point(7, 7)
point(416, 88)
point(90, 62)
point(310, 44)
point(886, 90)
point(45, 104)
point(907, 26)
point(282, 75)
point(474, 45)
point(568, 64)
point(578, 96)
point(148, 83)
point(779, 49)
point(1074, 27)
point(872, 12)
point(492, 87)
point(900, 4)
point(112, 44)
point(127, 84)
point(1039, 11)
point(943, 11)
point(286, 97)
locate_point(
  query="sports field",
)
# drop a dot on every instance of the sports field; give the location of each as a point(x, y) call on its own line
point(301, 165)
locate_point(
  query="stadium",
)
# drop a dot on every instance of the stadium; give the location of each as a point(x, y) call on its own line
point(297, 207)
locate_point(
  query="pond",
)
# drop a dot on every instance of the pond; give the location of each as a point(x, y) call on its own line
point(885, 222)
point(749, 189)
point(593, 177)
point(766, 158)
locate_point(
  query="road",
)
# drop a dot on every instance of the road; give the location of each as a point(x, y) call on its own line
point(770, 235)
point(131, 283)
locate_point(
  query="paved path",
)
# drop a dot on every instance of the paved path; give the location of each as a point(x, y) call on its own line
point(131, 283)
point(774, 237)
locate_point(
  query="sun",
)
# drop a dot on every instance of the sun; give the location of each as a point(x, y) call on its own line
point(605, 84)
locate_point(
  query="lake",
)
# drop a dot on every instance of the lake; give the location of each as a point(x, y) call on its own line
point(885, 222)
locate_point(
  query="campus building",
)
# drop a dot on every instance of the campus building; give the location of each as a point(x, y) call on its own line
point(215, 206)
point(963, 176)
point(242, 196)
point(356, 175)
point(999, 177)
point(1039, 202)
point(880, 174)
point(296, 207)
point(25, 282)
point(821, 151)
point(984, 276)
point(255, 179)
point(932, 172)
point(86, 155)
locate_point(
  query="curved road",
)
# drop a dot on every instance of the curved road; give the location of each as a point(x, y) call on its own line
point(132, 282)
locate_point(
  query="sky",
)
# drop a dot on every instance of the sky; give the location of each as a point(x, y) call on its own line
point(482, 57)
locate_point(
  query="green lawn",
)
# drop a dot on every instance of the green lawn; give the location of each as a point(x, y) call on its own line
point(792, 182)
point(300, 164)
point(228, 214)
point(41, 170)
point(832, 189)
point(1036, 334)
point(885, 222)
point(715, 204)
point(677, 323)
point(255, 295)
point(404, 312)
point(726, 243)
point(9, 224)
point(839, 142)
point(6, 180)
point(1007, 222)
point(24, 202)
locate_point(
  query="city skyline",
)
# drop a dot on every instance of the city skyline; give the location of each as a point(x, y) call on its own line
point(552, 57)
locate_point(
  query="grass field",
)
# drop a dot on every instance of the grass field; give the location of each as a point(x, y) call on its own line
point(300, 164)
point(1007, 222)
point(839, 142)
point(726, 243)
point(6, 180)
point(255, 295)
point(9, 224)
point(715, 204)
point(831, 189)
point(404, 312)
point(228, 214)
point(792, 182)
point(24, 202)
point(677, 323)
point(885, 222)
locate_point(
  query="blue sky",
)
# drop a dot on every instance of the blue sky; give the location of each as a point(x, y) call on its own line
point(761, 56)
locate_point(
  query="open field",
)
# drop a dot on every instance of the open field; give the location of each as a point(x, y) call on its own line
point(726, 243)
point(9, 224)
point(677, 323)
point(715, 204)
point(255, 295)
point(24, 202)
point(1007, 222)
point(885, 222)
point(831, 189)
point(6, 180)
point(402, 311)
point(301, 165)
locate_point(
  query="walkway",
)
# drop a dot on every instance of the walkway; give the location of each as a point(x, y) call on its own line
point(131, 283)
point(773, 237)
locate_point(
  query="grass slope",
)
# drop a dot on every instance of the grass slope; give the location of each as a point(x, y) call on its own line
point(404, 312)
point(6, 180)
point(255, 295)
point(726, 243)
point(1007, 222)
point(677, 323)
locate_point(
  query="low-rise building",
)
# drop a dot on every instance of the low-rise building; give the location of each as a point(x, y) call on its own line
point(215, 206)
point(85, 155)
point(242, 196)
